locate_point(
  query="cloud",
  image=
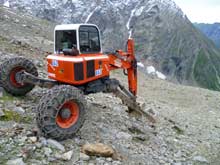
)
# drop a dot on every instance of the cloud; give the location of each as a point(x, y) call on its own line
point(206, 11)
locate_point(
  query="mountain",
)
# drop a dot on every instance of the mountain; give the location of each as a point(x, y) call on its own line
point(212, 31)
point(163, 34)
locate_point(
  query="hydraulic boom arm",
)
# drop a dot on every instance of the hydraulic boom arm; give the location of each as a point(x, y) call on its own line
point(126, 61)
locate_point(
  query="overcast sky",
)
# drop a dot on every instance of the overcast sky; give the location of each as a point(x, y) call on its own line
point(205, 11)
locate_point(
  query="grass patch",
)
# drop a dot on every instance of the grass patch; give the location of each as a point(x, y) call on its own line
point(14, 116)
point(6, 97)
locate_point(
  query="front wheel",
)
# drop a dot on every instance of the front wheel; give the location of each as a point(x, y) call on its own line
point(61, 112)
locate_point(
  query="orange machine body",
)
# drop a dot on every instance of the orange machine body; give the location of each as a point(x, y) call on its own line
point(77, 70)
point(85, 68)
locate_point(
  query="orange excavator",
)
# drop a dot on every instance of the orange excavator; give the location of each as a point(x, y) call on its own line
point(77, 67)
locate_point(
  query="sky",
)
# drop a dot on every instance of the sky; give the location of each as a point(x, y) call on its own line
point(201, 11)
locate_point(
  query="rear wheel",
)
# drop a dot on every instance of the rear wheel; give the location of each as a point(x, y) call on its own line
point(8, 71)
point(61, 112)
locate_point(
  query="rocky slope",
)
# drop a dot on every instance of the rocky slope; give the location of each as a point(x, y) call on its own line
point(187, 129)
point(212, 31)
point(163, 34)
point(24, 34)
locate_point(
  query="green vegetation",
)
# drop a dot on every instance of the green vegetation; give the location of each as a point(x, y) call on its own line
point(14, 116)
point(204, 72)
point(7, 97)
point(10, 115)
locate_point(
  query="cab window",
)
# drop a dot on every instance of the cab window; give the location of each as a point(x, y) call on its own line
point(64, 39)
point(89, 39)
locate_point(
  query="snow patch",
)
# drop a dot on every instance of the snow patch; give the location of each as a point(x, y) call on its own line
point(6, 4)
point(140, 64)
point(160, 75)
point(129, 20)
point(153, 71)
point(139, 11)
point(89, 16)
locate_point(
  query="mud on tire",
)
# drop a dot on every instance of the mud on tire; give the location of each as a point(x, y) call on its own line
point(8, 70)
point(49, 118)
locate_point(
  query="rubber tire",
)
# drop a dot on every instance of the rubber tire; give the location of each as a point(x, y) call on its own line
point(48, 109)
point(5, 69)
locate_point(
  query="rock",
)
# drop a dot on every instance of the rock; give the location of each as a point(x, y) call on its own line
point(141, 102)
point(200, 159)
point(18, 161)
point(28, 151)
point(109, 159)
point(52, 159)
point(123, 136)
point(84, 157)
point(55, 144)
point(67, 156)
point(178, 163)
point(91, 164)
point(98, 149)
point(39, 145)
point(43, 141)
point(17, 20)
point(33, 139)
point(47, 151)
point(116, 163)
point(178, 154)
point(20, 110)
point(100, 161)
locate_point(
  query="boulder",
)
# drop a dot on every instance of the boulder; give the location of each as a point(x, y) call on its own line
point(98, 149)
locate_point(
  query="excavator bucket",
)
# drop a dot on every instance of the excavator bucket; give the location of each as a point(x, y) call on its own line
point(134, 107)
point(130, 100)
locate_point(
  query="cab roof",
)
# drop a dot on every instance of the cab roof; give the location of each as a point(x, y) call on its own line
point(71, 26)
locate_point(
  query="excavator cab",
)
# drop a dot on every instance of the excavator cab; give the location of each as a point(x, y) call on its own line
point(78, 57)
point(76, 39)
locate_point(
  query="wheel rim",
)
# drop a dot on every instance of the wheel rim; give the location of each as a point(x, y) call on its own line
point(73, 108)
point(13, 74)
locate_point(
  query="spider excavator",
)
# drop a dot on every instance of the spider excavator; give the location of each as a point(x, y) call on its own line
point(76, 68)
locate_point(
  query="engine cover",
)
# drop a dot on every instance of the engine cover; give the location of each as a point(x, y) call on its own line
point(77, 70)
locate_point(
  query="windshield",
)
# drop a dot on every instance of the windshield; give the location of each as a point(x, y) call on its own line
point(65, 39)
point(89, 39)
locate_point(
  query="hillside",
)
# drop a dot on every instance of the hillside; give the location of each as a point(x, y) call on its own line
point(24, 34)
point(164, 36)
point(187, 130)
point(212, 31)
